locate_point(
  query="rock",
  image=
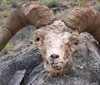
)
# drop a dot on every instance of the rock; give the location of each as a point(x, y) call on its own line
point(1, 9)
point(24, 60)
point(85, 68)
point(17, 77)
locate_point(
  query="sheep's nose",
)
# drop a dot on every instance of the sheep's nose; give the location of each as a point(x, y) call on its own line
point(54, 56)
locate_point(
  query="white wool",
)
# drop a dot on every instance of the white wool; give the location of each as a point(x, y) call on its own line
point(55, 44)
point(58, 22)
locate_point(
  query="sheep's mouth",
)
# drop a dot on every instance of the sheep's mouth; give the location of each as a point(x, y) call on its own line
point(57, 66)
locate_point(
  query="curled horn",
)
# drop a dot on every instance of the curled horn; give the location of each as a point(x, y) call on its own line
point(28, 13)
point(85, 20)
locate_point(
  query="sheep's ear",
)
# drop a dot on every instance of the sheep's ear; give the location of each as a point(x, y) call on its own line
point(74, 43)
point(40, 32)
point(75, 33)
point(74, 39)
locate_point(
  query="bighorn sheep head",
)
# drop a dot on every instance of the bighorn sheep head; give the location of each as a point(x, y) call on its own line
point(57, 44)
point(56, 39)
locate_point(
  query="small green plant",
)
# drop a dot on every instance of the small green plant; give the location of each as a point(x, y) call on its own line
point(48, 2)
point(9, 46)
point(81, 2)
point(97, 6)
point(98, 1)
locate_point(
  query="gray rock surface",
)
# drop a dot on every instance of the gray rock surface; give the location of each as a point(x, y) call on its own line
point(85, 69)
point(24, 60)
point(17, 77)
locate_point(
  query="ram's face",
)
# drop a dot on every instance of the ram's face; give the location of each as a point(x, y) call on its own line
point(57, 49)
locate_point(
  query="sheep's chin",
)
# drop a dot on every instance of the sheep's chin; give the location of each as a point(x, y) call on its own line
point(54, 68)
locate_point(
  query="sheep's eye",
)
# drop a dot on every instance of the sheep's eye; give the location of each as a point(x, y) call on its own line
point(76, 42)
point(37, 39)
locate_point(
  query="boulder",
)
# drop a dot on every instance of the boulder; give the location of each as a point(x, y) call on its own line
point(26, 67)
point(18, 65)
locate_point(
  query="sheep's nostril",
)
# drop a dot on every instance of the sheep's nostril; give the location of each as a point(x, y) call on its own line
point(54, 56)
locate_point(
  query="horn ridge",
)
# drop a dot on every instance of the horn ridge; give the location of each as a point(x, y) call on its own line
point(85, 20)
point(28, 13)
